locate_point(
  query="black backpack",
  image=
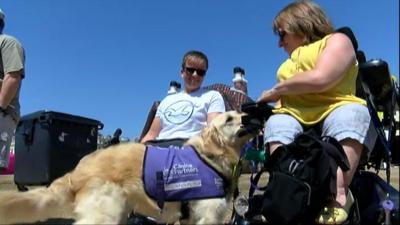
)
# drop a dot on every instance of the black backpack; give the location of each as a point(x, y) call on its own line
point(302, 178)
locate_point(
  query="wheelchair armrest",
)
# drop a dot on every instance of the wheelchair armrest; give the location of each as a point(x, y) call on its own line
point(149, 120)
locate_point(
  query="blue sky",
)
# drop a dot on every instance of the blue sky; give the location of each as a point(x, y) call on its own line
point(110, 59)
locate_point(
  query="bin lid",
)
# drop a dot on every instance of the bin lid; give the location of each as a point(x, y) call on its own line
point(46, 115)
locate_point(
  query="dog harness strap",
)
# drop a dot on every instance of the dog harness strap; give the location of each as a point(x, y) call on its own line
point(184, 210)
point(160, 189)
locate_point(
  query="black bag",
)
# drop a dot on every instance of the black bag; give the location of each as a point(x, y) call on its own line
point(302, 178)
point(371, 191)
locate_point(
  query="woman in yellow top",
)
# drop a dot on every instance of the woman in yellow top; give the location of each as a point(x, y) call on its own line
point(317, 84)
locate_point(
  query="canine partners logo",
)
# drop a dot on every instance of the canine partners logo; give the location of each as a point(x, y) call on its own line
point(181, 176)
point(179, 112)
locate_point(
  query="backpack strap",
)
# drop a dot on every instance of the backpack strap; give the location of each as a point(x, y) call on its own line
point(330, 146)
point(254, 182)
point(336, 151)
point(338, 158)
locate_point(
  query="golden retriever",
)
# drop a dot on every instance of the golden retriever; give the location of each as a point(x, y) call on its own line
point(107, 184)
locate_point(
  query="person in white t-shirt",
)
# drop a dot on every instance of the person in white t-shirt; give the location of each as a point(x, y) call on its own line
point(184, 114)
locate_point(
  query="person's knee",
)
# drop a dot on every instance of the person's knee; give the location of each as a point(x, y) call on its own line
point(272, 146)
point(349, 124)
point(352, 145)
point(353, 150)
point(281, 128)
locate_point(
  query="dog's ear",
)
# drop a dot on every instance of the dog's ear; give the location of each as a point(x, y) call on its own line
point(214, 140)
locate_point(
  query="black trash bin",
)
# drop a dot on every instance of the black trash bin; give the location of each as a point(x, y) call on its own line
point(49, 144)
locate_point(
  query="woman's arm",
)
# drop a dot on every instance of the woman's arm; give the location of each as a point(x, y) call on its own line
point(217, 106)
point(331, 65)
point(154, 130)
point(9, 88)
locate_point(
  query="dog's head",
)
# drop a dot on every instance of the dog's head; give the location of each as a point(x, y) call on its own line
point(229, 129)
point(224, 136)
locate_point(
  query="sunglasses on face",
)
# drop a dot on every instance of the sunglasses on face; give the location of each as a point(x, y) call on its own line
point(199, 72)
point(281, 34)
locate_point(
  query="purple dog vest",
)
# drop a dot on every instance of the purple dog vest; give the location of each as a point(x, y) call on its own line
point(178, 174)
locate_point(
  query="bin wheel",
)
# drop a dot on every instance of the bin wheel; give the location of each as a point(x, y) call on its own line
point(22, 188)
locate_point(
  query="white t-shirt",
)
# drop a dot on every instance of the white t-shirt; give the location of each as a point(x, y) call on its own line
point(183, 115)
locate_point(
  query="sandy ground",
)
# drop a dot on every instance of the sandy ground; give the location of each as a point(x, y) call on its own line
point(7, 184)
point(7, 181)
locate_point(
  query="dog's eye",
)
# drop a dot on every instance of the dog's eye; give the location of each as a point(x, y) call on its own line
point(229, 119)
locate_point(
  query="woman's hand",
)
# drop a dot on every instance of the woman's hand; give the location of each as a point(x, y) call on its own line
point(267, 96)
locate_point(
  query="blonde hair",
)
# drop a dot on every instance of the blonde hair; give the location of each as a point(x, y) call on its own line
point(304, 18)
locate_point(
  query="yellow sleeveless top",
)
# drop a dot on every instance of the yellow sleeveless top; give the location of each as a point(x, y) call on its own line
point(309, 109)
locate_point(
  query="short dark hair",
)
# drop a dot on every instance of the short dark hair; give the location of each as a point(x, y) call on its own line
point(194, 53)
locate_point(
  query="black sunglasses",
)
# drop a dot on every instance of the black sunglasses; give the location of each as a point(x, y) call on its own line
point(199, 72)
point(281, 34)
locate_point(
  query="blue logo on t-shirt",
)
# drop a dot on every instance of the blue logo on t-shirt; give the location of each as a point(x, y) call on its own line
point(179, 112)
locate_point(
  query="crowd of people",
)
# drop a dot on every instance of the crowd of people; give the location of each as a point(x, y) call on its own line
point(315, 86)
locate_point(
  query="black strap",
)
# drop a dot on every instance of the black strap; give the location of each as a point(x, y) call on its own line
point(185, 210)
point(330, 145)
point(335, 150)
point(160, 189)
point(254, 182)
point(381, 134)
point(167, 142)
point(4, 111)
point(28, 131)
